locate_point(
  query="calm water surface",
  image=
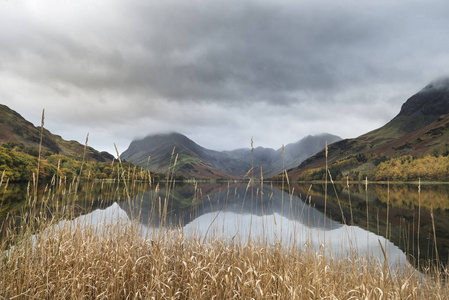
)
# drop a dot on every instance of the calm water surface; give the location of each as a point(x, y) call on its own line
point(355, 219)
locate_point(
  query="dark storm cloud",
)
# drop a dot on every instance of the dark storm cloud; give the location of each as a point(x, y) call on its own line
point(240, 50)
point(204, 50)
point(259, 51)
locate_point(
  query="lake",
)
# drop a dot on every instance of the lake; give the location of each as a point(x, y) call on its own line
point(355, 219)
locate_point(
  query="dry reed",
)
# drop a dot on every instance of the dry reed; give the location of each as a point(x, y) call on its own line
point(120, 263)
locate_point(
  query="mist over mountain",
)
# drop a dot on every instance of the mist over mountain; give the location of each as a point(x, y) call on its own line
point(423, 108)
point(197, 161)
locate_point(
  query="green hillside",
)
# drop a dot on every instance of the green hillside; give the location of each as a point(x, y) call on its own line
point(15, 129)
point(60, 159)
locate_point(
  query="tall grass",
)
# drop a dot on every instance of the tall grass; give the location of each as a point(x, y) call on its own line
point(119, 264)
point(118, 261)
point(41, 259)
point(40, 150)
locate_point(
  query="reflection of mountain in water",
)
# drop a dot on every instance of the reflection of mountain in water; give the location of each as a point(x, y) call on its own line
point(272, 216)
point(237, 198)
point(269, 229)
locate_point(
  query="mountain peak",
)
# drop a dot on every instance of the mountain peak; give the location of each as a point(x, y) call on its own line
point(425, 107)
point(440, 84)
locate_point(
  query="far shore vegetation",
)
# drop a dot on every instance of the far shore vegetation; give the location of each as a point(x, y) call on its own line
point(19, 162)
point(407, 168)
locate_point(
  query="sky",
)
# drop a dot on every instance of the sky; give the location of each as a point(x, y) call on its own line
point(219, 71)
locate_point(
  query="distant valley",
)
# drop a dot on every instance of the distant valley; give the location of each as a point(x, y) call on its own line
point(199, 162)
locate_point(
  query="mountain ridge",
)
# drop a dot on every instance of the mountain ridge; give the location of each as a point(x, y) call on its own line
point(229, 164)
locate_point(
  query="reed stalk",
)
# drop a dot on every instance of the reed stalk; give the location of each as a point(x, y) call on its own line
point(39, 156)
point(325, 197)
point(252, 190)
point(434, 236)
point(261, 203)
point(283, 179)
point(82, 164)
point(349, 199)
point(338, 199)
point(419, 218)
point(367, 213)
